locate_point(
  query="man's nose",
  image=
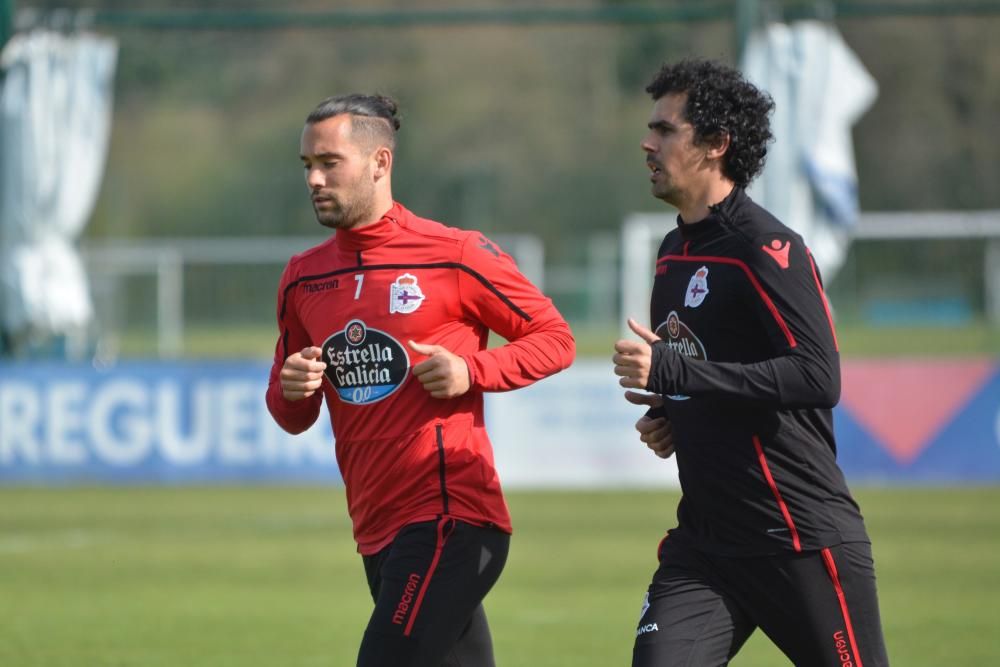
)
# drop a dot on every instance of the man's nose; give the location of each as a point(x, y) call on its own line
point(314, 179)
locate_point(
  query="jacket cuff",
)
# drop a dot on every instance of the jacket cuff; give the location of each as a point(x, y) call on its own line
point(659, 369)
point(659, 412)
point(470, 364)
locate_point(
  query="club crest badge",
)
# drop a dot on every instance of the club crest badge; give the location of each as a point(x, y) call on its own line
point(697, 288)
point(405, 295)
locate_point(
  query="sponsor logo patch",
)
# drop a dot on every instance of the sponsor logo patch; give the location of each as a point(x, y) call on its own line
point(680, 338)
point(649, 627)
point(364, 365)
point(697, 288)
point(405, 295)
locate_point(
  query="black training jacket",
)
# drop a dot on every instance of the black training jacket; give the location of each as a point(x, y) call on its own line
point(749, 369)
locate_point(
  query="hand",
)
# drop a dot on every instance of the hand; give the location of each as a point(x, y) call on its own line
point(657, 433)
point(634, 358)
point(443, 374)
point(302, 374)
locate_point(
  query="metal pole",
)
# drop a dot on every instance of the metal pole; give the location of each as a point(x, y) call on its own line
point(170, 304)
point(221, 19)
point(345, 19)
point(6, 30)
point(991, 281)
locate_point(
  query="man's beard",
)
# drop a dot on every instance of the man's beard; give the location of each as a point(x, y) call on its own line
point(345, 215)
point(666, 191)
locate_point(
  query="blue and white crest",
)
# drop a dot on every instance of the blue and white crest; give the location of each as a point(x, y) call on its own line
point(405, 295)
point(697, 288)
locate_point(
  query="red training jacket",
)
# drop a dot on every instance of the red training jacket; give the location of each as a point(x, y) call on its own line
point(361, 296)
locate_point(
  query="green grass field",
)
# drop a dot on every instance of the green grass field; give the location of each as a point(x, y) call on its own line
point(255, 576)
point(256, 341)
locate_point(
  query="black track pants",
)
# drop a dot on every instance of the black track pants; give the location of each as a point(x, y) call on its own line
point(819, 607)
point(428, 587)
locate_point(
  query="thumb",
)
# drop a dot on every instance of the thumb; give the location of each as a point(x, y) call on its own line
point(311, 353)
point(652, 400)
point(642, 331)
point(425, 349)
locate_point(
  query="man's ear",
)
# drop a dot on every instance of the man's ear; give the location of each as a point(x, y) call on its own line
point(717, 144)
point(383, 162)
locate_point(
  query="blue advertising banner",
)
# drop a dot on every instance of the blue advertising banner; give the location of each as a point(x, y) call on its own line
point(183, 422)
point(206, 422)
point(920, 421)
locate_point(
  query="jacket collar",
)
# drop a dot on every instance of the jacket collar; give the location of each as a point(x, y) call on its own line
point(369, 236)
point(717, 213)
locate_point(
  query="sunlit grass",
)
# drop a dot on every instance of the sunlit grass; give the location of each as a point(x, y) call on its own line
point(255, 576)
point(257, 341)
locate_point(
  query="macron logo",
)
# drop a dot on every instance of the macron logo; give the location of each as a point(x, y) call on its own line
point(778, 251)
point(406, 601)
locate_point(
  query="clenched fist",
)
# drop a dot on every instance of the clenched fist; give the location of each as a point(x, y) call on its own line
point(302, 374)
point(443, 374)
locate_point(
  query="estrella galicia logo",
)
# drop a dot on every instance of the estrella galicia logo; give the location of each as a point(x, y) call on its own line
point(364, 365)
point(680, 338)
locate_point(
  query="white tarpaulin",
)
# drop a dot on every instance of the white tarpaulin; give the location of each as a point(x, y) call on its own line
point(574, 429)
point(820, 89)
point(55, 118)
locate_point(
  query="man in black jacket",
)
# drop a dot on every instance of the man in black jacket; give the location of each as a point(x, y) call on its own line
point(742, 370)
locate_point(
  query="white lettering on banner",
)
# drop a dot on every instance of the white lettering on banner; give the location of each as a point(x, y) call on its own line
point(64, 415)
point(236, 402)
point(123, 421)
point(19, 413)
point(123, 404)
point(176, 447)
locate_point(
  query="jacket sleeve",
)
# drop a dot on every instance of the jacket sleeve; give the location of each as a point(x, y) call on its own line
point(805, 369)
point(292, 416)
point(495, 293)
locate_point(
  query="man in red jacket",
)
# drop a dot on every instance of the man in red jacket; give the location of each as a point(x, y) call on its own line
point(387, 321)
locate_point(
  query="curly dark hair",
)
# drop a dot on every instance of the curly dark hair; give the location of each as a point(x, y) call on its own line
point(720, 100)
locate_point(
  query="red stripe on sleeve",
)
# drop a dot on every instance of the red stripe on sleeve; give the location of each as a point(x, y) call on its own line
point(826, 302)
